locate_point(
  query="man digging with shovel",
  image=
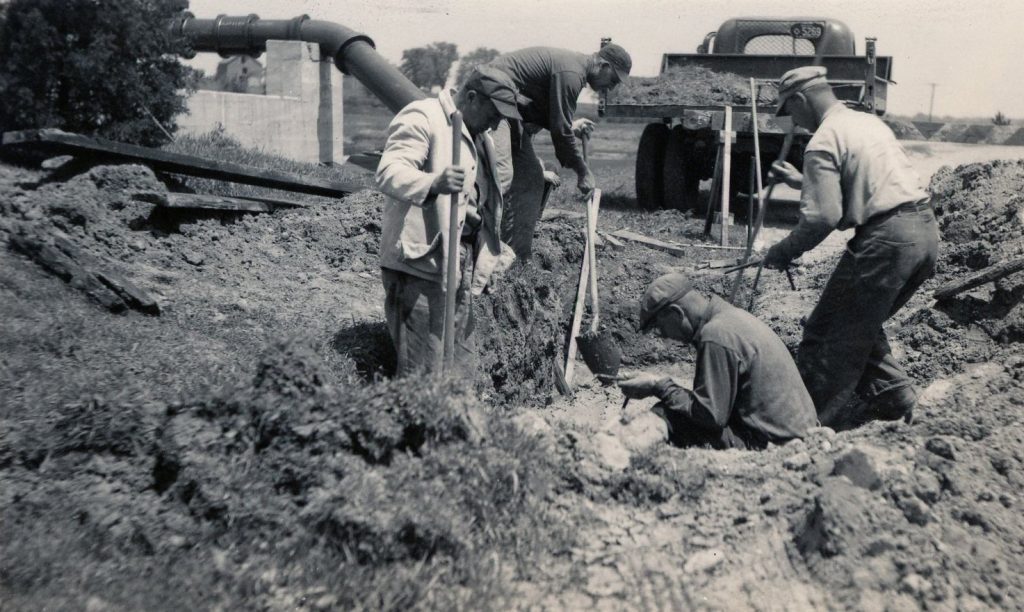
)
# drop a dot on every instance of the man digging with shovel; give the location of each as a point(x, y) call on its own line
point(746, 391)
point(417, 174)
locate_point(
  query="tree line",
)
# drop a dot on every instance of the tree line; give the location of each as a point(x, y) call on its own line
point(111, 69)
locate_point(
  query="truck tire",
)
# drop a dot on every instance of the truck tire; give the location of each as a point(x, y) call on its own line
point(679, 175)
point(650, 161)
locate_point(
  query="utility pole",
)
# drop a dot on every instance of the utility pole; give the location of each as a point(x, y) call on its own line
point(931, 104)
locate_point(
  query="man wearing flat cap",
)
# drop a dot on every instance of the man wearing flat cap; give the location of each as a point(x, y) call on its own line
point(746, 390)
point(417, 176)
point(855, 175)
point(551, 80)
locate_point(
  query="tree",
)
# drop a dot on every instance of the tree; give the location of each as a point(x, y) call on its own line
point(429, 66)
point(100, 68)
point(469, 61)
point(1001, 119)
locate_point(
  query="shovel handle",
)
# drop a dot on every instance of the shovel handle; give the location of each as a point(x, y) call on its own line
point(453, 252)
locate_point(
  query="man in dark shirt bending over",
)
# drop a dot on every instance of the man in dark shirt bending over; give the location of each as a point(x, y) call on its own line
point(552, 80)
point(746, 392)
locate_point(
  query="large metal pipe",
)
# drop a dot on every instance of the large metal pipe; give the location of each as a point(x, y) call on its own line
point(353, 53)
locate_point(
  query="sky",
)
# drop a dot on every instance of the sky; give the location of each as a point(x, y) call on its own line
point(973, 50)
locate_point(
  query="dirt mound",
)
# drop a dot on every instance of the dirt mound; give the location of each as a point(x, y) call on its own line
point(903, 129)
point(379, 483)
point(974, 133)
point(692, 85)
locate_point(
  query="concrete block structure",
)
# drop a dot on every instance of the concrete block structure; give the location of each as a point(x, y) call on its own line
point(299, 118)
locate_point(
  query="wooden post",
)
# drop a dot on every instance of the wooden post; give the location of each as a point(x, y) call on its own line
point(453, 253)
point(709, 218)
point(726, 171)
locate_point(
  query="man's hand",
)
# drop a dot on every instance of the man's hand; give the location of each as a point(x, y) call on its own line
point(638, 385)
point(585, 183)
point(787, 173)
point(451, 180)
point(553, 178)
point(582, 127)
point(776, 258)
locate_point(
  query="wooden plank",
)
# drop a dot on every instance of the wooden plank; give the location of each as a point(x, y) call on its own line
point(987, 275)
point(675, 248)
point(177, 163)
point(577, 316)
point(214, 202)
point(727, 136)
point(654, 243)
point(612, 240)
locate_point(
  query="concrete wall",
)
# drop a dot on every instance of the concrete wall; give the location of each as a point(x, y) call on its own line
point(299, 118)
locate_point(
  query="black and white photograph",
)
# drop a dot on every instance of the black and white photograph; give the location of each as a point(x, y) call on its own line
point(313, 305)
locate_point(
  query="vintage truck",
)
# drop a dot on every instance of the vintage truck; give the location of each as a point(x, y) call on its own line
point(680, 146)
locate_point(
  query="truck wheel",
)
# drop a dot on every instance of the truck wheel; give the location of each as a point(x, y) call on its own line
point(680, 180)
point(650, 160)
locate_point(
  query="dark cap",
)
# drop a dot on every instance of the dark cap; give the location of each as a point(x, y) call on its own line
point(499, 87)
point(797, 80)
point(618, 58)
point(664, 291)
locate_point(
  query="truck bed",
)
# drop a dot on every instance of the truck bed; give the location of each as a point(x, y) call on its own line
point(846, 73)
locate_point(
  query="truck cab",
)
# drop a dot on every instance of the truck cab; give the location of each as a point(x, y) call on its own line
point(780, 36)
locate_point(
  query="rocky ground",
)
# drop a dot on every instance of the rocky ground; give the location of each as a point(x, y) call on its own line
point(244, 448)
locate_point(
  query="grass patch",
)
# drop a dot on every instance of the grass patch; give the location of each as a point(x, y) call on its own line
point(389, 495)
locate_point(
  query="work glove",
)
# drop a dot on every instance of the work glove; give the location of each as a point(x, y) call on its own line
point(777, 257)
point(582, 127)
point(638, 385)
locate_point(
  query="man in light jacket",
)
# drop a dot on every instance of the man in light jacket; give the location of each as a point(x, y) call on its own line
point(417, 175)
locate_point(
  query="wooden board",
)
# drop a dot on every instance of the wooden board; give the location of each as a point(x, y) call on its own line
point(178, 163)
point(987, 275)
point(213, 202)
point(654, 243)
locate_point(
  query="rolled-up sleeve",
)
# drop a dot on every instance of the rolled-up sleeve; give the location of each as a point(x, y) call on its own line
point(502, 138)
point(715, 384)
point(562, 107)
point(400, 172)
point(821, 204)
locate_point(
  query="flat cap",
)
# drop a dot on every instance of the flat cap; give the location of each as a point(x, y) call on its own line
point(499, 87)
point(618, 58)
point(797, 80)
point(664, 291)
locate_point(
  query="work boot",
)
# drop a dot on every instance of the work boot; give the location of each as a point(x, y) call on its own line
point(891, 405)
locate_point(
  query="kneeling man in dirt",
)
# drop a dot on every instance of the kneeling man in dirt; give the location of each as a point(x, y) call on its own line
point(855, 175)
point(746, 392)
point(417, 175)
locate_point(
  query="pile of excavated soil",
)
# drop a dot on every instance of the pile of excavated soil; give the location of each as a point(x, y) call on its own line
point(690, 85)
point(196, 457)
point(903, 129)
point(301, 486)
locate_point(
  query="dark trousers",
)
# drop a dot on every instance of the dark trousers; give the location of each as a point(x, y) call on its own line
point(844, 348)
point(525, 202)
point(414, 309)
point(682, 433)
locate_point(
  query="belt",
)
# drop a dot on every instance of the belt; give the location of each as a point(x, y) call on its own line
point(906, 207)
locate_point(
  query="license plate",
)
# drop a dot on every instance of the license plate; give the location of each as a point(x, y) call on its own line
point(810, 31)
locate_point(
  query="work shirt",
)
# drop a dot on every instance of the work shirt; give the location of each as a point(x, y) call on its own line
point(746, 380)
point(552, 79)
point(854, 169)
